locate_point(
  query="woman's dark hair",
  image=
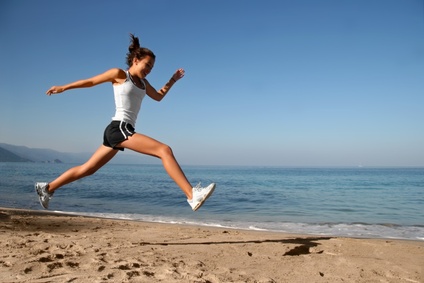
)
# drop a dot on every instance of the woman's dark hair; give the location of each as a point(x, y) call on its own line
point(136, 51)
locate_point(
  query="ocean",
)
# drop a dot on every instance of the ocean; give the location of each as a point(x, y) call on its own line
point(348, 202)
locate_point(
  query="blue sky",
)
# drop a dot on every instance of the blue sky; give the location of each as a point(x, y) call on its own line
point(290, 83)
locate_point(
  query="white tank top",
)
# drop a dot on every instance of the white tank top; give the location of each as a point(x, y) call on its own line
point(128, 98)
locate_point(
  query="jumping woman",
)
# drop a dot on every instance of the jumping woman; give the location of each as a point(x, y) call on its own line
point(129, 87)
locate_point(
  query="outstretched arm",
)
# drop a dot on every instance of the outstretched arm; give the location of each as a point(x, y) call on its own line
point(112, 75)
point(158, 95)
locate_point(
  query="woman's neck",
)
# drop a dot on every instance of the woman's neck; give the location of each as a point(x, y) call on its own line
point(136, 80)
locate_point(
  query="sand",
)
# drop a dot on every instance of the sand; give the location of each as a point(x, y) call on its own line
point(39, 246)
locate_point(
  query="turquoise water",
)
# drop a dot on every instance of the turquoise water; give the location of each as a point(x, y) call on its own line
point(358, 202)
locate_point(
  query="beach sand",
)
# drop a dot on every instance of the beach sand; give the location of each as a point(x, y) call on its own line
point(41, 246)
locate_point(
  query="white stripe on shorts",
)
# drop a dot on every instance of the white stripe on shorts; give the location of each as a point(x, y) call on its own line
point(122, 130)
point(128, 131)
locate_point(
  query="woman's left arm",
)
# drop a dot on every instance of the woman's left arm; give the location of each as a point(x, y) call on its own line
point(159, 95)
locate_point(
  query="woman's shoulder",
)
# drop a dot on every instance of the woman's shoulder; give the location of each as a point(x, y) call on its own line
point(116, 75)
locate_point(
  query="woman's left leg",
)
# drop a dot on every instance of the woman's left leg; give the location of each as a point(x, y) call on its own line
point(146, 145)
point(102, 156)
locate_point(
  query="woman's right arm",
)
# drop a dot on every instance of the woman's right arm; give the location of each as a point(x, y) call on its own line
point(114, 75)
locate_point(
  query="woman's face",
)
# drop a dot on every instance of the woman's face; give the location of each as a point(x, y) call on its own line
point(143, 66)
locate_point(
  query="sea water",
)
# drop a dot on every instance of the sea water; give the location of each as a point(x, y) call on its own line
point(353, 202)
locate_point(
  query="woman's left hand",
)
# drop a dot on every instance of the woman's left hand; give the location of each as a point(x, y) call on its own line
point(178, 74)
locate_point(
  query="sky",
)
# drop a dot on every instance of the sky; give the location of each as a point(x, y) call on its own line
point(268, 83)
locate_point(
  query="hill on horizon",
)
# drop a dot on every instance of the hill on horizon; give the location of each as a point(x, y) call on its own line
point(27, 154)
point(8, 156)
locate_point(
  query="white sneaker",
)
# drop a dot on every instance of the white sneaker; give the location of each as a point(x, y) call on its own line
point(43, 194)
point(200, 195)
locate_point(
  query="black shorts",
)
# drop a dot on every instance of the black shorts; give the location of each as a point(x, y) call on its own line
point(117, 132)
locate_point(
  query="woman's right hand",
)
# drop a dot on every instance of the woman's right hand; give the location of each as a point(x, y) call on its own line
point(54, 90)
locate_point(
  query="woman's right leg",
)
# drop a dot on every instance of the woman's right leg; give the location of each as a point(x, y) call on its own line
point(102, 155)
point(147, 145)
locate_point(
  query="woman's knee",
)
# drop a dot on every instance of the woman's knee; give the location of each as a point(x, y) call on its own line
point(165, 151)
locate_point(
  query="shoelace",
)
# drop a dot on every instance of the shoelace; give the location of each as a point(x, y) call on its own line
point(198, 187)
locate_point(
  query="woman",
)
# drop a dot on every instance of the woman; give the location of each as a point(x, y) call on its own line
point(129, 86)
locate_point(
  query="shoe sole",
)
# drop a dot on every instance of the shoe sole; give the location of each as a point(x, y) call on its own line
point(205, 198)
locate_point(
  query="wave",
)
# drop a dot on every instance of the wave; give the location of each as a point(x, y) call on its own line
point(353, 230)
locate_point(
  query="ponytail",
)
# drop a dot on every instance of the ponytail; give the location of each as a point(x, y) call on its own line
point(135, 43)
point(136, 51)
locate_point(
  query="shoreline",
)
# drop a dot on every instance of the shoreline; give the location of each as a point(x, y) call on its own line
point(364, 232)
point(45, 246)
